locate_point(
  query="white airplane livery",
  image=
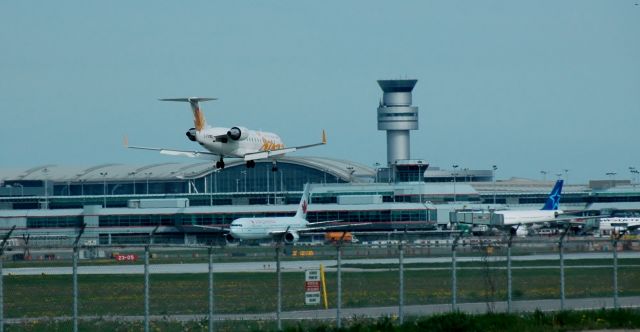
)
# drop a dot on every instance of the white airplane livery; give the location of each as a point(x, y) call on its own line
point(286, 228)
point(233, 142)
point(549, 211)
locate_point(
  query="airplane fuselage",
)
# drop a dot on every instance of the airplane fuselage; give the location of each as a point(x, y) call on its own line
point(216, 141)
point(528, 217)
point(264, 228)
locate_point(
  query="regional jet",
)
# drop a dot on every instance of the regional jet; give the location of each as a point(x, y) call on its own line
point(233, 142)
point(286, 229)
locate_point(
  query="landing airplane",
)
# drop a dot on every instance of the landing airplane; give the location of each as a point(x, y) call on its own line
point(286, 228)
point(234, 142)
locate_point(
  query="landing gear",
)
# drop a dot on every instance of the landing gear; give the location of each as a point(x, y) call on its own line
point(251, 164)
point(220, 164)
point(274, 166)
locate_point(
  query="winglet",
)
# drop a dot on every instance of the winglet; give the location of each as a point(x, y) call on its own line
point(324, 137)
point(125, 141)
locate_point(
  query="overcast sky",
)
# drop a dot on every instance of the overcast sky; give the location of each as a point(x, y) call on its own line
point(526, 85)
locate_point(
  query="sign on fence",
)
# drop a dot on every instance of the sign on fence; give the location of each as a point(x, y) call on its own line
point(312, 287)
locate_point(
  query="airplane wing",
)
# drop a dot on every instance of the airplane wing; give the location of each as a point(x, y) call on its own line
point(278, 152)
point(181, 153)
point(331, 227)
point(213, 228)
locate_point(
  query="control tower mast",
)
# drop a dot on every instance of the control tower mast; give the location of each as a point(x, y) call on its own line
point(397, 117)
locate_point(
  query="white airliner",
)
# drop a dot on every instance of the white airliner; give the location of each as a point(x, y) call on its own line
point(549, 211)
point(286, 228)
point(234, 142)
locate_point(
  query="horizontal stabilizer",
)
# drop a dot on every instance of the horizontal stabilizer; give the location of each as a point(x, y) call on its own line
point(189, 100)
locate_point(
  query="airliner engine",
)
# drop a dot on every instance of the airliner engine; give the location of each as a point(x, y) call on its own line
point(191, 134)
point(291, 237)
point(238, 133)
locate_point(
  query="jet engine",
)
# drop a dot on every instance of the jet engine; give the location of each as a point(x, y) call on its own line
point(238, 133)
point(191, 134)
point(291, 237)
point(229, 238)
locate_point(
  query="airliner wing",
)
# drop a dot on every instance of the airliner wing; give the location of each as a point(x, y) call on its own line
point(278, 152)
point(181, 153)
point(331, 227)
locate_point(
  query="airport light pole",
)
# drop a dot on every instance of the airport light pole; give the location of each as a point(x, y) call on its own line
point(493, 176)
point(566, 176)
point(104, 188)
point(148, 174)
point(612, 178)
point(544, 175)
point(133, 177)
point(377, 168)
point(244, 173)
point(21, 188)
point(455, 166)
point(46, 187)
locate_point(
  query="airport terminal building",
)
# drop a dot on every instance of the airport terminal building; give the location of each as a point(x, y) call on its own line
point(122, 203)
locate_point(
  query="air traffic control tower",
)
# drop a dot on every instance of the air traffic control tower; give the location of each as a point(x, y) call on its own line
point(397, 117)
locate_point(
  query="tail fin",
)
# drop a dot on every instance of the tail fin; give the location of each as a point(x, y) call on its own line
point(304, 203)
point(554, 197)
point(199, 121)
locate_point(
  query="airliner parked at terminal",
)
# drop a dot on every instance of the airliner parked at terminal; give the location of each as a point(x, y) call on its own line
point(234, 142)
point(549, 211)
point(286, 228)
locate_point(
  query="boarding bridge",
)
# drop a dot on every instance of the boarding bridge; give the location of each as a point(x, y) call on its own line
point(476, 218)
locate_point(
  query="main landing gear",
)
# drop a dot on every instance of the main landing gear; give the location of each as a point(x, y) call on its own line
point(220, 163)
point(274, 166)
point(251, 164)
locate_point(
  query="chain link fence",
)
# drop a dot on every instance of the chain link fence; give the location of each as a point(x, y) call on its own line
point(402, 275)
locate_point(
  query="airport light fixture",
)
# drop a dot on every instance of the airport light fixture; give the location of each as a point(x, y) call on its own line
point(21, 188)
point(454, 174)
point(104, 188)
point(148, 174)
point(46, 187)
point(544, 175)
point(493, 176)
point(133, 176)
point(244, 173)
point(612, 177)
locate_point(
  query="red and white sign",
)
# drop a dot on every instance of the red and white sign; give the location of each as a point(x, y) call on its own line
point(126, 257)
point(312, 286)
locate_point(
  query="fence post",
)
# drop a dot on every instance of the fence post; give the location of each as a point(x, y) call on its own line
point(454, 279)
point(146, 279)
point(561, 245)
point(75, 278)
point(210, 289)
point(615, 273)
point(616, 238)
point(401, 276)
point(279, 286)
point(146, 288)
point(509, 280)
point(339, 277)
point(2, 245)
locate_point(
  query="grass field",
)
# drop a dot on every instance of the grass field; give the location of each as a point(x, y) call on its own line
point(45, 295)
